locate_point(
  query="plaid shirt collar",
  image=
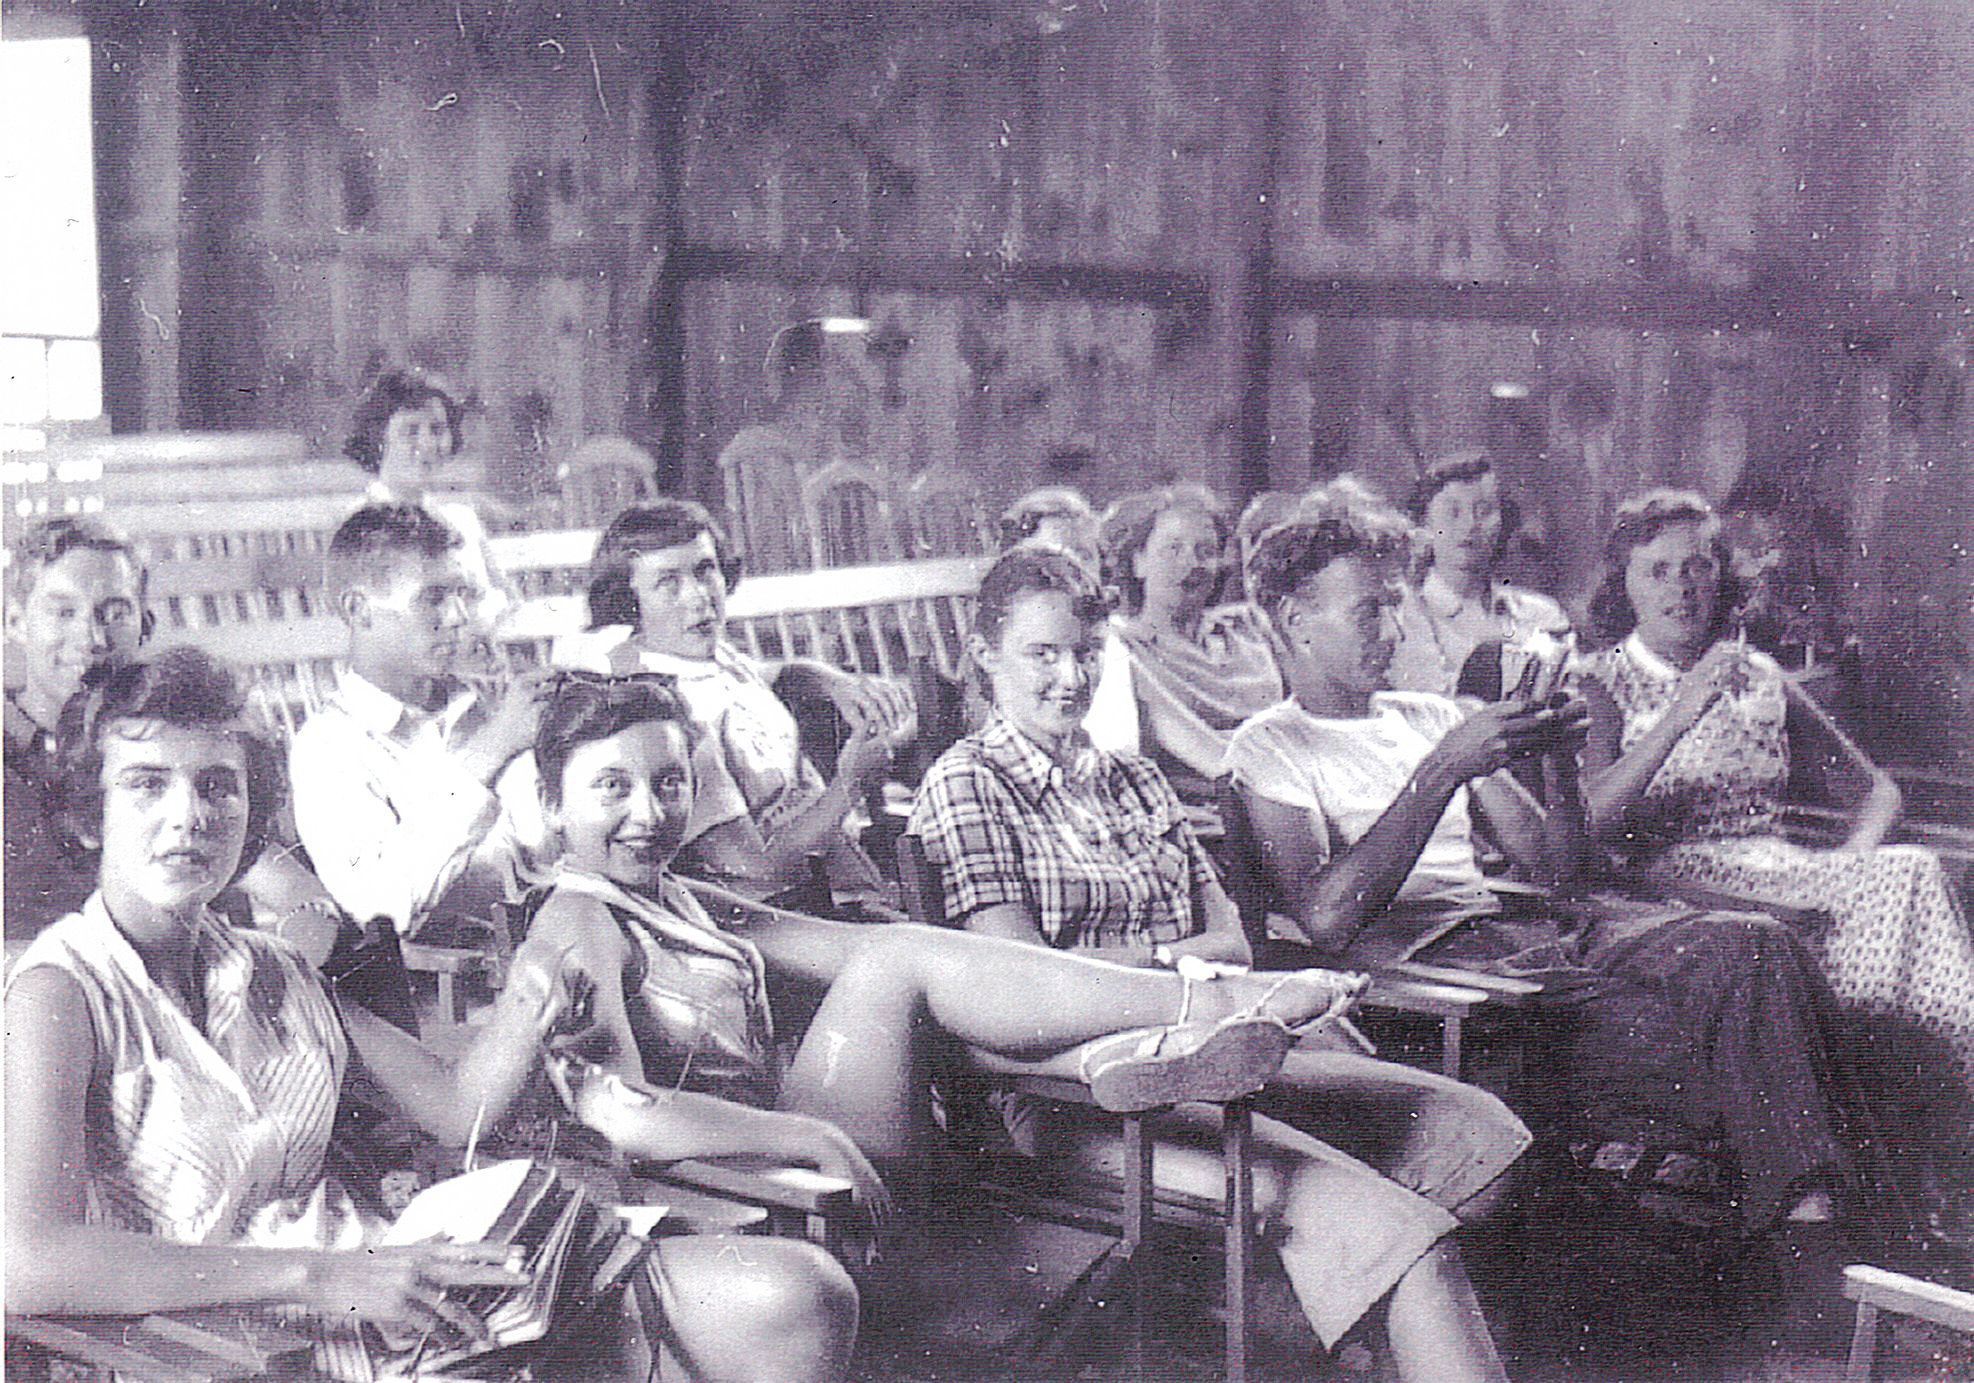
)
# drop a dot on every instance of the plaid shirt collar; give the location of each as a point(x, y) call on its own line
point(1031, 768)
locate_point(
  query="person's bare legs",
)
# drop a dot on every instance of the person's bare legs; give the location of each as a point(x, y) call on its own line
point(861, 1064)
point(741, 1309)
point(1435, 1325)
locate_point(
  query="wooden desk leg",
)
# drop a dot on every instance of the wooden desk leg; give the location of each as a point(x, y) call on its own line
point(1864, 1345)
point(1236, 1140)
point(1139, 1190)
point(1449, 1046)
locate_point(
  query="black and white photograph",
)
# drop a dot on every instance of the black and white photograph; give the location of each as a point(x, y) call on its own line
point(988, 691)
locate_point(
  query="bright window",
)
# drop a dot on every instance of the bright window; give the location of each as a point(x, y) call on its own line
point(51, 363)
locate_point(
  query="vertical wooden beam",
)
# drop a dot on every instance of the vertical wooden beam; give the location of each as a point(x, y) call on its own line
point(658, 417)
point(1251, 59)
point(1237, 1154)
point(217, 308)
point(113, 96)
point(1254, 312)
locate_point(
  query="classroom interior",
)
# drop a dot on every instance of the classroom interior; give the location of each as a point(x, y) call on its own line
point(1102, 244)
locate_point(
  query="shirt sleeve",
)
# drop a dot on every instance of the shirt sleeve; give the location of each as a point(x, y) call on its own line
point(716, 797)
point(1262, 765)
point(384, 849)
point(965, 823)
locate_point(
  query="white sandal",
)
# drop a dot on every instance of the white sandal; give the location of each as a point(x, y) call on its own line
point(1221, 1059)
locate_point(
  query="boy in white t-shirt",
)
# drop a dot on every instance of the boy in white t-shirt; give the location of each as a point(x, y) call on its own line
point(1364, 804)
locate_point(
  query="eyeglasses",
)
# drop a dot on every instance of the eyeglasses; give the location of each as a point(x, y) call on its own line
point(569, 685)
point(564, 681)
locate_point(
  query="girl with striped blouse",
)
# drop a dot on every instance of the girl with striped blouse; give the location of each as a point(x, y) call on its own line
point(171, 1082)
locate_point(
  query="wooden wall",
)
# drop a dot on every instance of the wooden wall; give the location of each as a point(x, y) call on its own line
point(1252, 241)
point(293, 196)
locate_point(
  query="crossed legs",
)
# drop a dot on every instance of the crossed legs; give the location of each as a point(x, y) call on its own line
point(862, 1064)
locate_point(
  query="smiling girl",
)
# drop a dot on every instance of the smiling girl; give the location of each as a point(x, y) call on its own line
point(171, 1082)
point(681, 1000)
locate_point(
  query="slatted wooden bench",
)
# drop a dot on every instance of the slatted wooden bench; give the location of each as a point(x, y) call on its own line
point(246, 608)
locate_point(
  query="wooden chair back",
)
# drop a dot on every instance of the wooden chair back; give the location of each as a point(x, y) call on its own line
point(947, 516)
point(925, 895)
point(603, 477)
point(1880, 1292)
point(847, 508)
point(872, 619)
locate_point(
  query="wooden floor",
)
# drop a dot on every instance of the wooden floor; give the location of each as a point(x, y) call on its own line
point(950, 1303)
point(1571, 1298)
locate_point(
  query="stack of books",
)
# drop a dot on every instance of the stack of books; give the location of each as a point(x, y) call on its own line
point(570, 1251)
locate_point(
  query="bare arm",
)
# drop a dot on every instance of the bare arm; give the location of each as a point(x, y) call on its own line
point(292, 903)
point(451, 1101)
point(1547, 840)
point(1846, 770)
point(1222, 938)
point(739, 849)
point(56, 1262)
point(1332, 896)
point(860, 700)
point(1614, 778)
point(606, 1089)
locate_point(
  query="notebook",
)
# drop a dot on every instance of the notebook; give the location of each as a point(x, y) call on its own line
point(562, 1244)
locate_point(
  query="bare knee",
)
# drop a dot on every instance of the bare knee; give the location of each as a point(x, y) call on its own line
point(803, 1287)
point(757, 1310)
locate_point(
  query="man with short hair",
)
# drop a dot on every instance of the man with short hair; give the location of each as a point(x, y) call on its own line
point(394, 778)
point(1365, 805)
point(75, 598)
point(75, 602)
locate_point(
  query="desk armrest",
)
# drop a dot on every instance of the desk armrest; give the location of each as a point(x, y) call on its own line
point(1421, 996)
point(446, 960)
point(1703, 896)
point(1506, 989)
point(795, 1189)
point(1910, 1296)
point(193, 1346)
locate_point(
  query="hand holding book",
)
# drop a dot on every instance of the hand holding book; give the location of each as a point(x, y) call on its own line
point(402, 1289)
point(515, 1230)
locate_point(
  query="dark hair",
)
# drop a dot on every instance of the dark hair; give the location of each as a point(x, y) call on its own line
point(1128, 524)
point(369, 542)
point(45, 543)
point(583, 707)
point(1268, 510)
point(391, 393)
point(182, 687)
point(640, 529)
point(1640, 519)
point(1460, 468)
point(797, 349)
point(1026, 569)
point(1021, 520)
point(1288, 555)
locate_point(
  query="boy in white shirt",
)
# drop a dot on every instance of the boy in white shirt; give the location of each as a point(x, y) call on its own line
point(1364, 803)
point(394, 778)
